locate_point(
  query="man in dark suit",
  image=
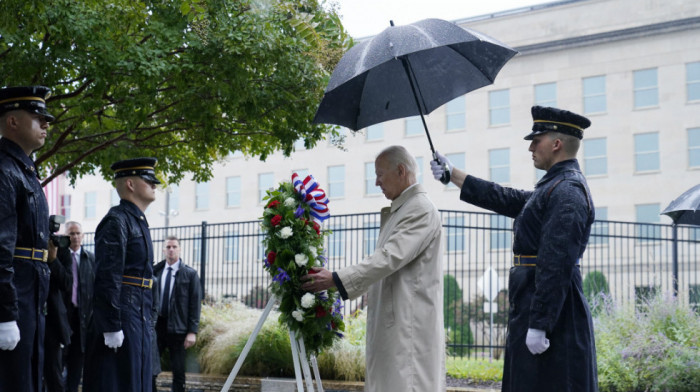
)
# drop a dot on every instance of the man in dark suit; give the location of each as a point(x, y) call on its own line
point(180, 306)
point(78, 300)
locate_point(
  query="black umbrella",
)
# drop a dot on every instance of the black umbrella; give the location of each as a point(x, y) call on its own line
point(686, 208)
point(409, 70)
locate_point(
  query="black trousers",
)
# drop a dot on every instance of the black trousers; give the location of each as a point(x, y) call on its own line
point(53, 364)
point(175, 344)
point(74, 355)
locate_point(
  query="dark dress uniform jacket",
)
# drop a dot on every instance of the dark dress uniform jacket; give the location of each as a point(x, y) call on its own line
point(24, 284)
point(122, 248)
point(552, 222)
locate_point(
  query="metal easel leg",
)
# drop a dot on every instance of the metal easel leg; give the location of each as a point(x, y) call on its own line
point(305, 365)
point(295, 358)
point(249, 344)
point(317, 374)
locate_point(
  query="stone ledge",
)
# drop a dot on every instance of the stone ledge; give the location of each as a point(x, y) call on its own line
point(197, 382)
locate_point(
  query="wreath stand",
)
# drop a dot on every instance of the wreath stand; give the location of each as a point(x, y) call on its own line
point(298, 355)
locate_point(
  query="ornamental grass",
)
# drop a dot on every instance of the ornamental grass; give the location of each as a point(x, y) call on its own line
point(226, 327)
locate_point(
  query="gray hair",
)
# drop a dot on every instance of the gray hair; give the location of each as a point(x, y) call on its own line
point(398, 155)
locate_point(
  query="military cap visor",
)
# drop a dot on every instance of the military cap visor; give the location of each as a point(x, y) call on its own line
point(137, 167)
point(31, 99)
point(546, 119)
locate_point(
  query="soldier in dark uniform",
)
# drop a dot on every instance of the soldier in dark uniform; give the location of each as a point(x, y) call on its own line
point(24, 238)
point(550, 344)
point(119, 357)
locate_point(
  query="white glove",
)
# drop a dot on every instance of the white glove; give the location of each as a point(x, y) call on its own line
point(114, 339)
point(438, 169)
point(9, 335)
point(536, 341)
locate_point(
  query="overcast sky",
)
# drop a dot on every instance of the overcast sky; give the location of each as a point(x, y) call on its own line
point(363, 18)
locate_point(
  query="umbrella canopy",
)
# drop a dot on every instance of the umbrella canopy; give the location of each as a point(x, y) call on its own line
point(371, 83)
point(686, 208)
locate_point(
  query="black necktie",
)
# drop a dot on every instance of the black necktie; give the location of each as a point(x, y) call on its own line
point(166, 294)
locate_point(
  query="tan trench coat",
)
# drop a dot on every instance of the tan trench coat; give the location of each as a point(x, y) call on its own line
point(403, 278)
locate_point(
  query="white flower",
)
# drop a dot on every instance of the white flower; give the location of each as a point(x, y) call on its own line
point(285, 233)
point(314, 252)
point(298, 315)
point(301, 259)
point(308, 300)
point(290, 202)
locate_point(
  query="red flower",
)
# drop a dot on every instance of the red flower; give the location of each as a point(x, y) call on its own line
point(333, 326)
point(275, 220)
point(320, 312)
point(271, 258)
point(317, 227)
point(273, 204)
point(311, 272)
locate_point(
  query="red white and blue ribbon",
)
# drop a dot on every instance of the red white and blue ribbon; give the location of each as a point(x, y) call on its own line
point(312, 195)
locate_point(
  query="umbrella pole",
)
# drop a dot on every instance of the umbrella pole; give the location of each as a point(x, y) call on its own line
point(675, 259)
point(445, 179)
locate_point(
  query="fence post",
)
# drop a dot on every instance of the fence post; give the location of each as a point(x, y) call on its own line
point(675, 259)
point(203, 258)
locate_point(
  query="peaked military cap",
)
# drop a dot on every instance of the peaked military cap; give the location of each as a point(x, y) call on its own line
point(546, 119)
point(141, 167)
point(29, 98)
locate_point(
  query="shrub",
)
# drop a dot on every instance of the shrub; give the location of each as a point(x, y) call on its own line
point(595, 288)
point(226, 327)
point(653, 347)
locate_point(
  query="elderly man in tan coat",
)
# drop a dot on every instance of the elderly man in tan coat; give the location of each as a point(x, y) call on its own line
point(405, 336)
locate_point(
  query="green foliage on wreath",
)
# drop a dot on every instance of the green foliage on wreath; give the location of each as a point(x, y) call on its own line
point(294, 245)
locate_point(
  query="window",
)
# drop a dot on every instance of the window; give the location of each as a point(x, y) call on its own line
point(174, 195)
point(231, 247)
point(594, 99)
point(648, 213)
point(458, 161)
point(90, 205)
point(233, 191)
point(201, 196)
point(369, 237)
point(501, 232)
point(65, 206)
point(694, 147)
point(692, 80)
point(546, 94)
point(375, 132)
point(414, 126)
point(419, 170)
point(114, 198)
point(370, 180)
point(454, 230)
point(299, 145)
point(499, 107)
point(336, 241)
point(456, 113)
point(265, 182)
point(646, 152)
point(646, 88)
point(302, 173)
point(499, 165)
point(336, 181)
point(600, 230)
point(595, 160)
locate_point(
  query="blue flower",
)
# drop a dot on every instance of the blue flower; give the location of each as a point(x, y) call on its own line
point(281, 277)
point(299, 212)
point(323, 259)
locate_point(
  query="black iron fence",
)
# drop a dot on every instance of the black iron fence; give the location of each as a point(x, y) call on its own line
point(627, 260)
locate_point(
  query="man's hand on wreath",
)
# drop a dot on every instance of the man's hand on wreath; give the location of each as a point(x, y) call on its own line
point(318, 279)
